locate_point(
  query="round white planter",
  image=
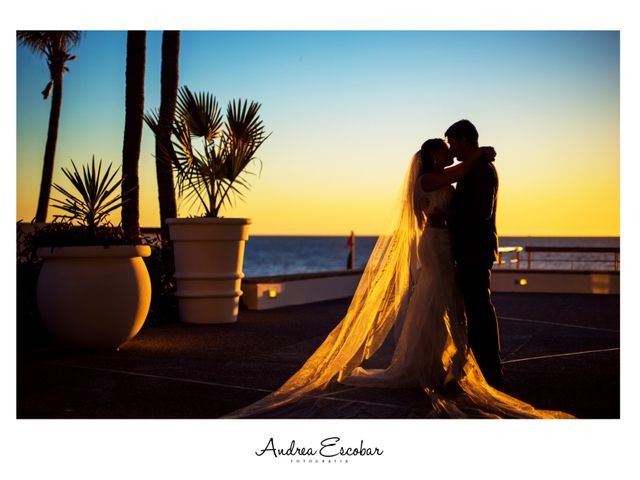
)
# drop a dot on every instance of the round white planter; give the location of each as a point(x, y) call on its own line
point(94, 297)
point(208, 254)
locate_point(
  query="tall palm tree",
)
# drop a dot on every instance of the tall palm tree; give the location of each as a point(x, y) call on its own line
point(55, 47)
point(134, 111)
point(164, 150)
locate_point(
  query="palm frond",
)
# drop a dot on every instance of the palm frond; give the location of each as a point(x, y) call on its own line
point(243, 121)
point(201, 112)
point(152, 119)
point(36, 41)
point(49, 41)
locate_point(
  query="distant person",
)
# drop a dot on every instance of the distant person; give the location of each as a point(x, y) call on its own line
point(410, 285)
point(351, 243)
point(475, 246)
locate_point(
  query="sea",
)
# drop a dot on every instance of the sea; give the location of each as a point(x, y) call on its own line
point(278, 255)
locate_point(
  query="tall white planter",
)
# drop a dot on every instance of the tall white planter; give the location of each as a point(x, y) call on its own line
point(208, 253)
point(94, 297)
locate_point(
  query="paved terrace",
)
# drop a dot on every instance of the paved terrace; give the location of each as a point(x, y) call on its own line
point(560, 352)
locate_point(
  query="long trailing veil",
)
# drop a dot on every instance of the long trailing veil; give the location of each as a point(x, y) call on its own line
point(380, 301)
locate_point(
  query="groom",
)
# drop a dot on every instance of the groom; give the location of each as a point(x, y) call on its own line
point(475, 247)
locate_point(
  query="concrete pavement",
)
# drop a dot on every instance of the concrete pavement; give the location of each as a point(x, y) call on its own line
point(560, 352)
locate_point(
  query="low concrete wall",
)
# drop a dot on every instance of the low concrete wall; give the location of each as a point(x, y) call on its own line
point(556, 281)
point(280, 291)
point(273, 292)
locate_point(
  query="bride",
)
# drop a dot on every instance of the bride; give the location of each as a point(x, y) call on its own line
point(408, 287)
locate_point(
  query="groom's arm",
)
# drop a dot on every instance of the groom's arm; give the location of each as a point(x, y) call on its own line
point(481, 192)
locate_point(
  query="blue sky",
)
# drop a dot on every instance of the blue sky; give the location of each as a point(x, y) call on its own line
point(346, 111)
point(561, 102)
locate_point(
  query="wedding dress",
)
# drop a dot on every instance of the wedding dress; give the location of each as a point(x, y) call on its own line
point(408, 286)
point(432, 347)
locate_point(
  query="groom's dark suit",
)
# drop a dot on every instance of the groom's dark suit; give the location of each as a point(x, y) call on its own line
point(475, 248)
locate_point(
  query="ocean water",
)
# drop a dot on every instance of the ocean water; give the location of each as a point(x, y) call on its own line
point(277, 255)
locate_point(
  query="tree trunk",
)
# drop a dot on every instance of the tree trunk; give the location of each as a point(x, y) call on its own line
point(164, 150)
point(50, 150)
point(134, 111)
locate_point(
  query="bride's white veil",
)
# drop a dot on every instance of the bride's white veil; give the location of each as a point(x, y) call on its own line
point(379, 301)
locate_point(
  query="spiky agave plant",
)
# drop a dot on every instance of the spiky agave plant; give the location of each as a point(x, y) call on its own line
point(96, 194)
point(211, 153)
point(93, 195)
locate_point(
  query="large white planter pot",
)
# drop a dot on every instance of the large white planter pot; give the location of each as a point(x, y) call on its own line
point(208, 254)
point(94, 297)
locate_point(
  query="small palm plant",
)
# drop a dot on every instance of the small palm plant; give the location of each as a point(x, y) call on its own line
point(95, 194)
point(210, 153)
point(95, 198)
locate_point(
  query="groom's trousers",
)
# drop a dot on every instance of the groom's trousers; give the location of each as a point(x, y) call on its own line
point(482, 323)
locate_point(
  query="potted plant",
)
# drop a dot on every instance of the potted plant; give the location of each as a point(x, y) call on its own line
point(210, 154)
point(93, 290)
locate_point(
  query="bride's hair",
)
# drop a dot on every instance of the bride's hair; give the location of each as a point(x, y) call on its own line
point(426, 153)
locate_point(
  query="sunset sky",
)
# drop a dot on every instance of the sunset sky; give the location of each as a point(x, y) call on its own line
point(348, 109)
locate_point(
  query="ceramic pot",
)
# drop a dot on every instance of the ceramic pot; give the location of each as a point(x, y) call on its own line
point(208, 255)
point(94, 297)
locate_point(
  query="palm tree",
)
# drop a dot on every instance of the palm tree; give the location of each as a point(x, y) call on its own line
point(164, 152)
point(55, 46)
point(134, 111)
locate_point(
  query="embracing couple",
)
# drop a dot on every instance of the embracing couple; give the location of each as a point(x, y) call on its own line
point(426, 290)
point(470, 212)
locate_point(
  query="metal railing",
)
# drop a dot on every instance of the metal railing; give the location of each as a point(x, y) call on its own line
point(515, 256)
point(611, 256)
point(504, 250)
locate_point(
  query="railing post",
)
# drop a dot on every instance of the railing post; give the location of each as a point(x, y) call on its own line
point(528, 259)
point(351, 259)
